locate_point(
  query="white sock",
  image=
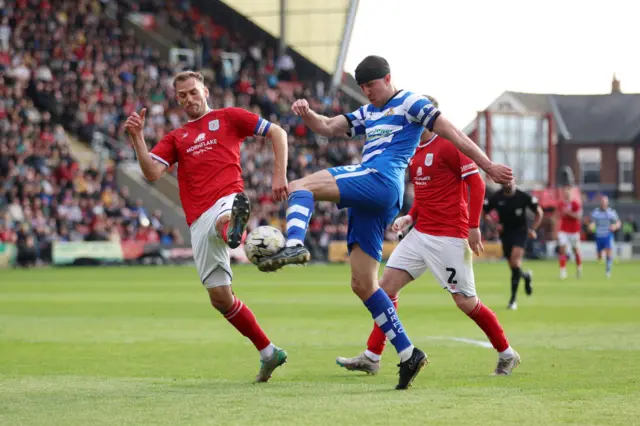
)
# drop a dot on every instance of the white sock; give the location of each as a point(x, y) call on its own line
point(294, 243)
point(373, 357)
point(406, 353)
point(507, 353)
point(267, 352)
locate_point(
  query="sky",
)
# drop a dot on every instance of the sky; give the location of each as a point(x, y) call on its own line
point(467, 52)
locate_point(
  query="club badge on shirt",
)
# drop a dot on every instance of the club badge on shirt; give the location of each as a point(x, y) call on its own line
point(428, 160)
point(214, 125)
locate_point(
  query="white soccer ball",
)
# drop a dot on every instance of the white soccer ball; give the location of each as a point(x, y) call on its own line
point(262, 242)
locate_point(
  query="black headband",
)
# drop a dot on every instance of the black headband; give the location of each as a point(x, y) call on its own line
point(371, 68)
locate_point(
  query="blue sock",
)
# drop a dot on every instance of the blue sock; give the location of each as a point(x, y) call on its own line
point(298, 215)
point(609, 264)
point(384, 314)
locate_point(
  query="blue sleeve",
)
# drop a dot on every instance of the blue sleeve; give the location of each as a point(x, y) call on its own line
point(614, 216)
point(356, 122)
point(262, 127)
point(421, 110)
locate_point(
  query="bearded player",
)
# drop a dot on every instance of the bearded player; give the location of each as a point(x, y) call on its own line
point(570, 211)
point(445, 234)
point(207, 150)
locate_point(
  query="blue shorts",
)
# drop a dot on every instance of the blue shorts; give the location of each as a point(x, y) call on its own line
point(603, 243)
point(373, 202)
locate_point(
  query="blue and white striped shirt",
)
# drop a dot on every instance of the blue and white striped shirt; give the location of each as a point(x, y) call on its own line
point(603, 219)
point(392, 132)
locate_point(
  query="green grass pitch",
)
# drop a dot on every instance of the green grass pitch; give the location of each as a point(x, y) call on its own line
point(134, 346)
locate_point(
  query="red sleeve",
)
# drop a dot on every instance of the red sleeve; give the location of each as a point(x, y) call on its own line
point(247, 123)
point(469, 172)
point(467, 166)
point(476, 198)
point(414, 212)
point(576, 207)
point(165, 151)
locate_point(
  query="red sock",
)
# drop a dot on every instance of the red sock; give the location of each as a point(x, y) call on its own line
point(225, 232)
point(377, 338)
point(241, 317)
point(488, 322)
point(578, 259)
point(563, 261)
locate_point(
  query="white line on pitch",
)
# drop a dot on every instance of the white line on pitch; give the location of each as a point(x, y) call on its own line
point(482, 343)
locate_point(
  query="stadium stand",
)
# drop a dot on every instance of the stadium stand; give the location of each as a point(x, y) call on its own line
point(45, 194)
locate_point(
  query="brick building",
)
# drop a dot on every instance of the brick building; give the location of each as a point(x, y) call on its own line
point(598, 136)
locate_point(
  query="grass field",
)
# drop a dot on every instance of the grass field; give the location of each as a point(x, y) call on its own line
point(132, 346)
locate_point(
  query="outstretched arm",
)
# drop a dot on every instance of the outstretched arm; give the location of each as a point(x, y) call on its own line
point(447, 130)
point(420, 110)
point(323, 125)
point(152, 166)
point(498, 172)
point(280, 153)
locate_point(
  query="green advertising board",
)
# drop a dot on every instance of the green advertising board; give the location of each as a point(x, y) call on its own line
point(67, 253)
point(8, 253)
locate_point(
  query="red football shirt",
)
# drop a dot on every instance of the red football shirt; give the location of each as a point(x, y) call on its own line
point(207, 151)
point(569, 224)
point(437, 171)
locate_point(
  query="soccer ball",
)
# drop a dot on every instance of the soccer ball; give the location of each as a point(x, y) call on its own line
point(262, 242)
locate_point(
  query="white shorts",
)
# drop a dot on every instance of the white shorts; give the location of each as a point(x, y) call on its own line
point(449, 260)
point(210, 252)
point(571, 239)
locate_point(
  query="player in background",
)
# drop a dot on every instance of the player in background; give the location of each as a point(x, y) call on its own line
point(445, 233)
point(207, 150)
point(605, 222)
point(512, 204)
point(372, 190)
point(570, 211)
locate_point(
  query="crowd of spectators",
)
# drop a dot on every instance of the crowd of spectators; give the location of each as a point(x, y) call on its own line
point(46, 80)
point(46, 196)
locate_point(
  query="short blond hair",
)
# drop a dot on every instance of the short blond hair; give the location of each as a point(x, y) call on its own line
point(186, 75)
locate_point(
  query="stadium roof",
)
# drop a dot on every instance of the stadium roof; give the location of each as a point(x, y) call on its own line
point(314, 29)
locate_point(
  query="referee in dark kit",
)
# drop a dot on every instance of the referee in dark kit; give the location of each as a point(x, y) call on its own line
point(511, 205)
